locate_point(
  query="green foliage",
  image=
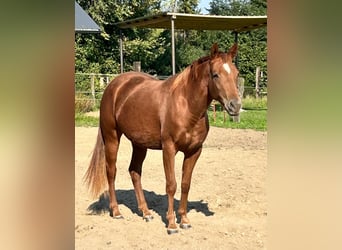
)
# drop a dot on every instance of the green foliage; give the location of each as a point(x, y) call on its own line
point(180, 6)
point(252, 44)
point(100, 53)
point(187, 6)
point(145, 50)
point(187, 53)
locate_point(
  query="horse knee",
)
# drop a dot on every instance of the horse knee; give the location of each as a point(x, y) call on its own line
point(134, 176)
point(181, 211)
point(171, 188)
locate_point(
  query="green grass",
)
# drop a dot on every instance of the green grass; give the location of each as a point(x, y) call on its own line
point(81, 120)
point(249, 119)
point(253, 117)
point(251, 103)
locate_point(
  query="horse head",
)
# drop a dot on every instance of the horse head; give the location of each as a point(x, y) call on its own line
point(223, 79)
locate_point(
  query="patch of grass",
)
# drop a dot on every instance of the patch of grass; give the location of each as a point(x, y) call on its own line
point(254, 115)
point(82, 120)
point(252, 103)
point(249, 119)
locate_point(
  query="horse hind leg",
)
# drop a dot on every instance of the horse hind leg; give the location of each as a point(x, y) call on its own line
point(111, 150)
point(135, 170)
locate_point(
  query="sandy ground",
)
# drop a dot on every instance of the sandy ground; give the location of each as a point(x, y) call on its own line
point(227, 200)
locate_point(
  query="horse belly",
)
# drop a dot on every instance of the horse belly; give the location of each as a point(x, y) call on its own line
point(144, 139)
point(140, 124)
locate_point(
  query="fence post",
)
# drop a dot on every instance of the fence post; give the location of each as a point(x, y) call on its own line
point(257, 79)
point(214, 111)
point(224, 115)
point(137, 66)
point(241, 88)
point(92, 87)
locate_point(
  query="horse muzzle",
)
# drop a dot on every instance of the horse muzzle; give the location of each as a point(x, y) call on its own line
point(233, 107)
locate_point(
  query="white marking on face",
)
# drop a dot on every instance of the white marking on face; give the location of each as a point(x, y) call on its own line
point(226, 67)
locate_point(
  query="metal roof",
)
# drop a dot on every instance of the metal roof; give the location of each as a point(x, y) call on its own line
point(196, 22)
point(83, 22)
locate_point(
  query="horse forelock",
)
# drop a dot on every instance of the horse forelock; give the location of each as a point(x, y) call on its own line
point(224, 56)
point(202, 60)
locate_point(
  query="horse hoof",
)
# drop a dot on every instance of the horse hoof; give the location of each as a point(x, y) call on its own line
point(148, 218)
point(185, 226)
point(172, 230)
point(118, 217)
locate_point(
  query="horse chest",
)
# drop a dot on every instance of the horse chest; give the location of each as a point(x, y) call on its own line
point(189, 141)
point(191, 138)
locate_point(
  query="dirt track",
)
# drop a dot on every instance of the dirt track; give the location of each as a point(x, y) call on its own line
point(227, 200)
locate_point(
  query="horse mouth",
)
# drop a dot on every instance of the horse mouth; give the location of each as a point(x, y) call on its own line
point(235, 114)
point(232, 112)
point(233, 107)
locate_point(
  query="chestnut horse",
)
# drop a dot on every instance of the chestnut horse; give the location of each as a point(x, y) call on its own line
point(170, 115)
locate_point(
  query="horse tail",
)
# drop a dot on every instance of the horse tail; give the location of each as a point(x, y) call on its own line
point(96, 177)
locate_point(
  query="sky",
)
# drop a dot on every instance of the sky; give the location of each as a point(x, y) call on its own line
point(203, 4)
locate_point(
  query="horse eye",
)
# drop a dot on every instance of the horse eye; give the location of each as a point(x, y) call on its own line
point(215, 75)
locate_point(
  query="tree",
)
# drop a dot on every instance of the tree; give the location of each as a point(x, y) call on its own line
point(188, 6)
point(100, 53)
point(252, 44)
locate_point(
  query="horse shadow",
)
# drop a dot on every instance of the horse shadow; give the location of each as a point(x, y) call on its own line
point(156, 202)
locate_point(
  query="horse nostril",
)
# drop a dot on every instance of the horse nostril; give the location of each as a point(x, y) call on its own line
point(235, 104)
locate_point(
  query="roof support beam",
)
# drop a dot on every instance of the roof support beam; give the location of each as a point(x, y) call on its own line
point(121, 53)
point(173, 53)
point(237, 53)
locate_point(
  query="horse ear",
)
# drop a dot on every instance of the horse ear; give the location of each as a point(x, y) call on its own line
point(233, 50)
point(214, 50)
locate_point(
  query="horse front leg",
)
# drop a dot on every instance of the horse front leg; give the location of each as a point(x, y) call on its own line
point(188, 166)
point(169, 153)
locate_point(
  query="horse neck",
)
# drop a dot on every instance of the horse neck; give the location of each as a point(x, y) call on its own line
point(196, 88)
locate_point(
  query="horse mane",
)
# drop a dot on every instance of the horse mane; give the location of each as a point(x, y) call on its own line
point(202, 60)
point(176, 80)
point(192, 70)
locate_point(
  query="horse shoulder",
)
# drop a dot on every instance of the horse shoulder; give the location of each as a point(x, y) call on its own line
point(200, 130)
point(190, 138)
